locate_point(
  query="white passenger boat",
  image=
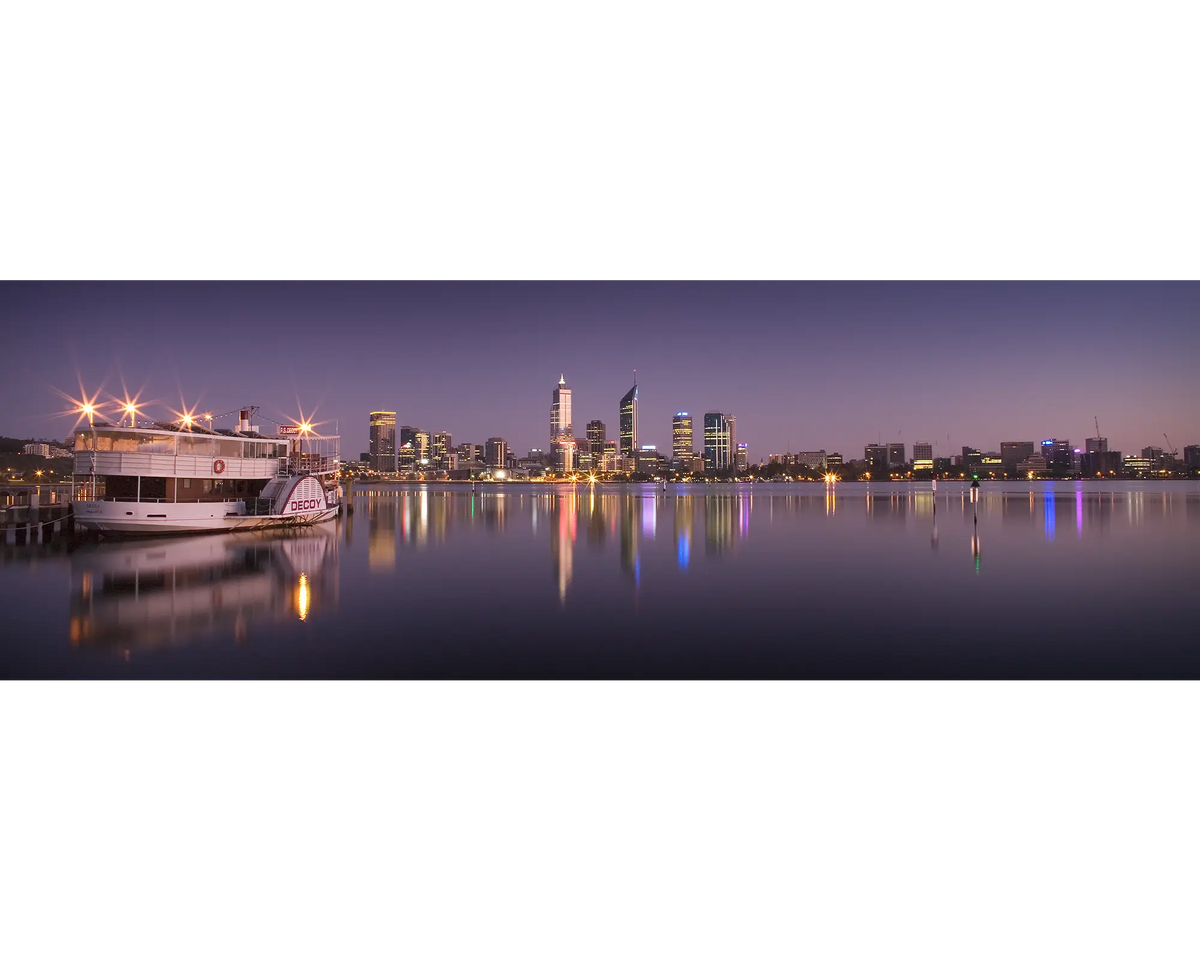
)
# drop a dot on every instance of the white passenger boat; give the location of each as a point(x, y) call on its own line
point(180, 477)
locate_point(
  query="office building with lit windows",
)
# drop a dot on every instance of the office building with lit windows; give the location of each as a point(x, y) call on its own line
point(682, 448)
point(597, 434)
point(497, 452)
point(382, 451)
point(562, 428)
point(718, 448)
point(442, 448)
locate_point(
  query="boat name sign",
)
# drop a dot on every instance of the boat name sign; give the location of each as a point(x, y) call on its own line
point(306, 496)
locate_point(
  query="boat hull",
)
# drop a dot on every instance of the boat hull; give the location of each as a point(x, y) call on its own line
point(94, 518)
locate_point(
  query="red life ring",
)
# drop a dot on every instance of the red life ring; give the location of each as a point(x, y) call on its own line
point(218, 466)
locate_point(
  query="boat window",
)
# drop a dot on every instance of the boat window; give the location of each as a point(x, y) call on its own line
point(148, 443)
point(83, 440)
point(124, 442)
point(281, 450)
point(196, 446)
point(229, 448)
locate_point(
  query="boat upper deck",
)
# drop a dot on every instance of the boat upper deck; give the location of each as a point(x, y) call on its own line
point(169, 450)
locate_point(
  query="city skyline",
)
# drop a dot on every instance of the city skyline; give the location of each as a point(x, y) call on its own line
point(803, 365)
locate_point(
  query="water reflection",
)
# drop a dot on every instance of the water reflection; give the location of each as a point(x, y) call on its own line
point(457, 569)
point(685, 519)
point(146, 594)
point(722, 523)
point(628, 523)
point(562, 541)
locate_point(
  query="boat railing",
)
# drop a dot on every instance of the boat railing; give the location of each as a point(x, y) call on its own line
point(164, 500)
point(259, 506)
point(311, 463)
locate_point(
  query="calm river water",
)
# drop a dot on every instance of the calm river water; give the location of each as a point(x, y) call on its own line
point(1044, 580)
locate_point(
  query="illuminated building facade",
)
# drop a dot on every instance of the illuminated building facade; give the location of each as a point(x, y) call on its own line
point(718, 448)
point(469, 453)
point(629, 423)
point(597, 434)
point(497, 452)
point(406, 449)
point(1060, 456)
point(742, 460)
point(923, 450)
point(876, 455)
point(382, 451)
point(443, 446)
point(681, 437)
point(562, 426)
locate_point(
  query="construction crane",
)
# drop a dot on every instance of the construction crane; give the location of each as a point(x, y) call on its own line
point(1169, 447)
point(1097, 428)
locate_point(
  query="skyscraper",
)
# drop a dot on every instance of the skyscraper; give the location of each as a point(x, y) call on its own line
point(923, 450)
point(895, 456)
point(681, 437)
point(597, 434)
point(718, 451)
point(383, 440)
point(1059, 456)
point(561, 425)
point(497, 451)
point(443, 446)
point(406, 449)
point(470, 453)
point(743, 457)
point(629, 422)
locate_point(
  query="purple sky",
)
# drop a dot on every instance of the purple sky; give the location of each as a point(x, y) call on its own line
point(810, 365)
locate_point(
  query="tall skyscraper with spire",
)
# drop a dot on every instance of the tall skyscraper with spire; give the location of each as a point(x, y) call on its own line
point(562, 429)
point(629, 421)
